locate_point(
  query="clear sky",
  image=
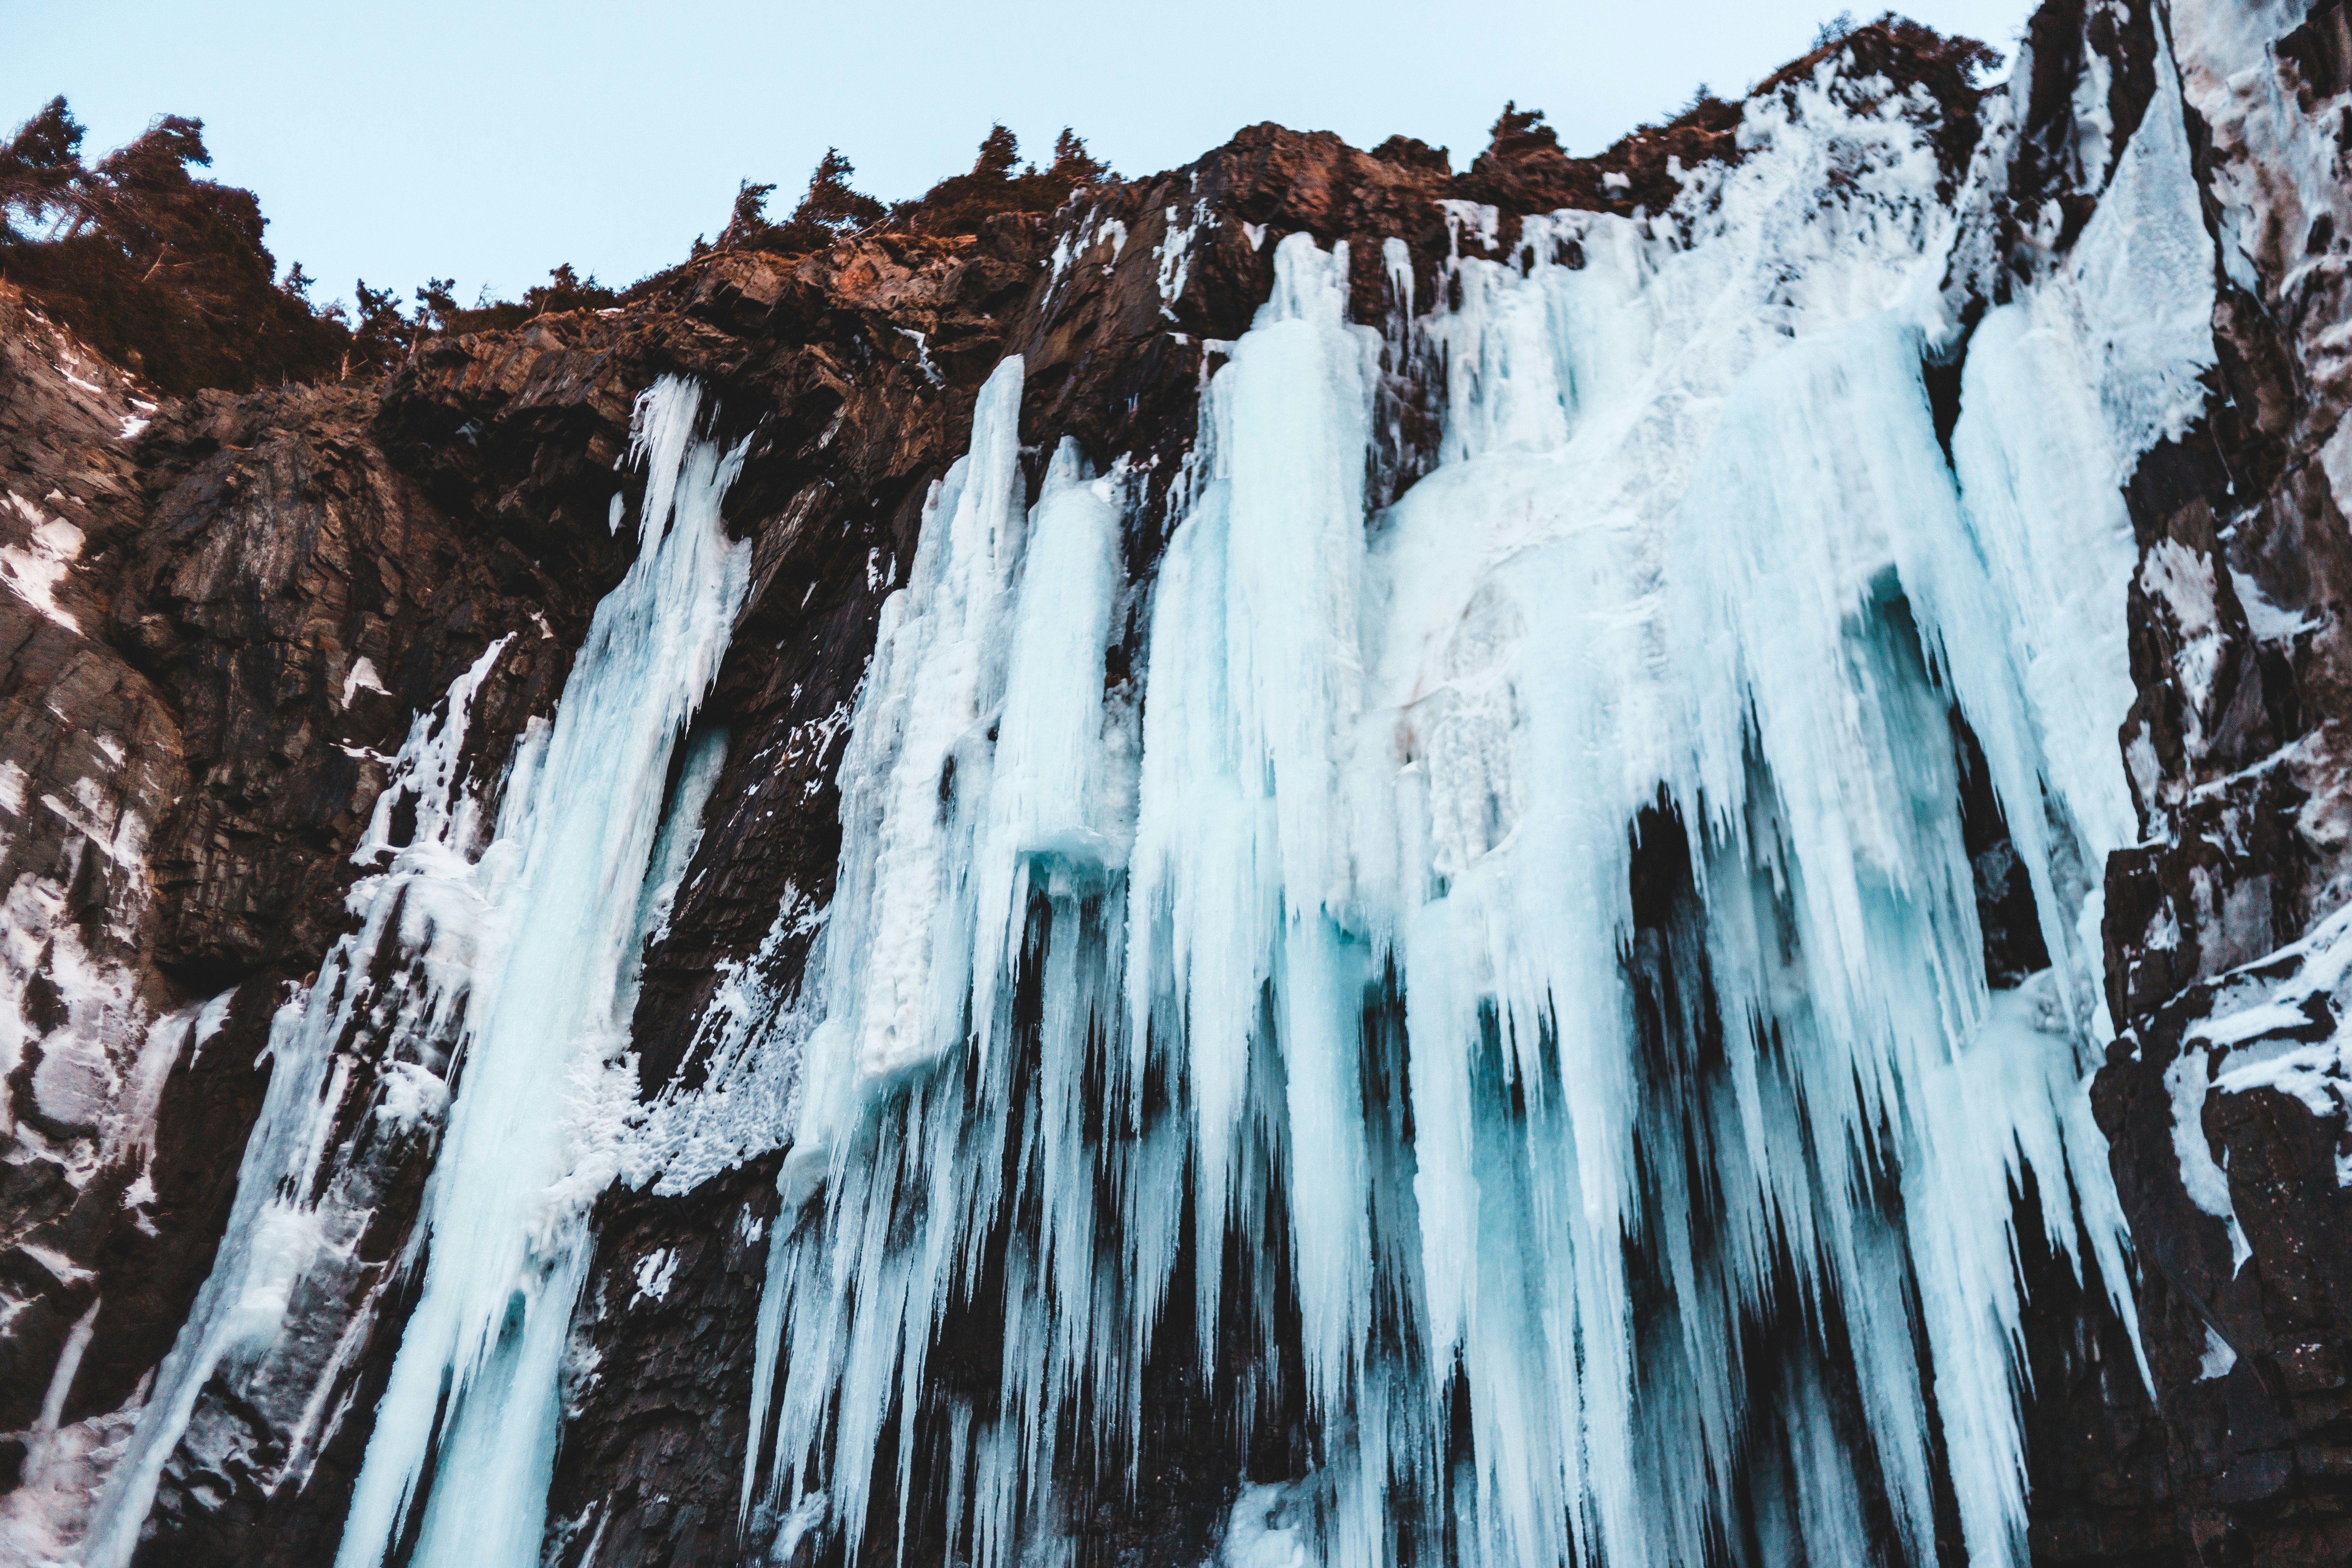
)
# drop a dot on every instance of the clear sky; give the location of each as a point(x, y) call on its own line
point(488, 140)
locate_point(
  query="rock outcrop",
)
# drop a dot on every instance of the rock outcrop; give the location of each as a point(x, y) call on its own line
point(2219, 925)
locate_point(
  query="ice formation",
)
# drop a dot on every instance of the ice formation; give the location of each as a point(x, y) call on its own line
point(1515, 966)
point(581, 867)
point(420, 903)
point(490, 978)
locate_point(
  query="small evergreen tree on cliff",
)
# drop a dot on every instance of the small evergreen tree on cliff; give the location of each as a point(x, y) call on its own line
point(831, 203)
point(565, 290)
point(39, 165)
point(1000, 151)
point(1074, 163)
point(1521, 131)
point(749, 222)
point(436, 302)
point(830, 209)
point(381, 337)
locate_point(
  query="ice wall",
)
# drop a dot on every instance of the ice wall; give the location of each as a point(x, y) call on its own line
point(1523, 969)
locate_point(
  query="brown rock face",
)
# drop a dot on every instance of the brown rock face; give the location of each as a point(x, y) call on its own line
point(93, 768)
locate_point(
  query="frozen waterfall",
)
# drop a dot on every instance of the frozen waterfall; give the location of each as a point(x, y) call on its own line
point(419, 912)
point(491, 975)
point(1505, 988)
point(542, 1082)
point(1555, 974)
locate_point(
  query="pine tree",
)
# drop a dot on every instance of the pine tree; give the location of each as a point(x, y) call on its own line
point(748, 224)
point(436, 302)
point(999, 151)
point(41, 166)
point(1518, 130)
point(1074, 163)
point(383, 335)
point(831, 203)
point(153, 266)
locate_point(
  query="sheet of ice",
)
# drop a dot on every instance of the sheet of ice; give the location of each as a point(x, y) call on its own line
point(916, 741)
point(83, 1057)
point(1087, 235)
point(923, 355)
point(362, 678)
point(35, 569)
point(1268, 1529)
point(511, 947)
point(2283, 1023)
point(1174, 253)
point(986, 774)
point(2060, 391)
point(63, 1467)
point(2218, 1359)
point(2274, 160)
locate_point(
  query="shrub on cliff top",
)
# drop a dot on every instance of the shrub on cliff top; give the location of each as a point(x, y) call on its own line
point(1518, 131)
point(961, 203)
point(832, 209)
point(167, 274)
point(437, 309)
point(1524, 168)
point(155, 269)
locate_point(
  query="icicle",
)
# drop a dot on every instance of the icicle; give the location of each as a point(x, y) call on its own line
point(988, 773)
point(917, 744)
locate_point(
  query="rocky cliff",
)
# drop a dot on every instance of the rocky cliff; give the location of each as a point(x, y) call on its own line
point(229, 617)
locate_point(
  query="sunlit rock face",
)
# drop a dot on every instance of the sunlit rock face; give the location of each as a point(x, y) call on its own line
point(1618, 861)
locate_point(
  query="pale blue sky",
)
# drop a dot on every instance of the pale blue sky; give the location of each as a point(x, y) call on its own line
point(489, 141)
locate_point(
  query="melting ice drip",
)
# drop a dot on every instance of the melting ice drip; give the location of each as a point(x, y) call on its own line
point(519, 942)
point(1529, 983)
